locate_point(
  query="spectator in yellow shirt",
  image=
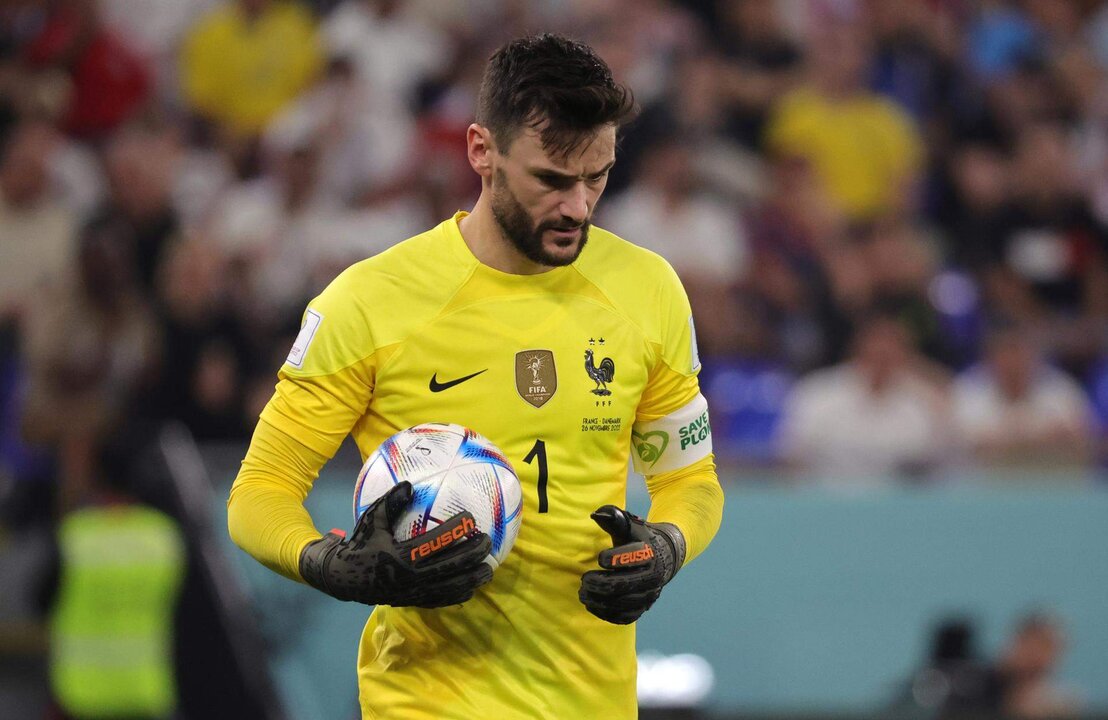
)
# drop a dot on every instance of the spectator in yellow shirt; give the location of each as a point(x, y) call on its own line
point(864, 148)
point(245, 60)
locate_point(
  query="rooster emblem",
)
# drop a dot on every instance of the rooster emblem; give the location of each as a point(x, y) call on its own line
point(600, 375)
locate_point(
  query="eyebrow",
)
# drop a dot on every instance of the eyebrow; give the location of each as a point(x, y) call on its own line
point(551, 172)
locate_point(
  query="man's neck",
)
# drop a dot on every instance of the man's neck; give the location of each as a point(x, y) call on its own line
point(485, 239)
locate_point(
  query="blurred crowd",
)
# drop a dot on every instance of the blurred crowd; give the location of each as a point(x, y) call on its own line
point(891, 217)
point(959, 681)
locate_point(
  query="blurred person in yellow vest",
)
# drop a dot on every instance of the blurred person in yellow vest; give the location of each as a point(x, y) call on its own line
point(245, 60)
point(111, 624)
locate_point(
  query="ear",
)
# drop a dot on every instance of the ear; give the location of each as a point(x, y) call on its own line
point(479, 148)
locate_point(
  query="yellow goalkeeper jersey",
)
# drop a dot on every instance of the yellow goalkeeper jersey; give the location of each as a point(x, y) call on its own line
point(568, 372)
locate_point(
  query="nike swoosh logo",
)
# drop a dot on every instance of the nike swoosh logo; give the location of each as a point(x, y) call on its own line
point(437, 386)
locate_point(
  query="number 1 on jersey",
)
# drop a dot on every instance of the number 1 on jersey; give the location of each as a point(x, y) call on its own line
point(539, 451)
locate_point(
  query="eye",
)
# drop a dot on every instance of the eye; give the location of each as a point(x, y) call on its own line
point(555, 181)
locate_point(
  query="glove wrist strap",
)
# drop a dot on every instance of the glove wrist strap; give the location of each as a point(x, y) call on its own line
point(676, 540)
point(313, 564)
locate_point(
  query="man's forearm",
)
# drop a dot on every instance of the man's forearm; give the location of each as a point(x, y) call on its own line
point(265, 512)
point(690, 498)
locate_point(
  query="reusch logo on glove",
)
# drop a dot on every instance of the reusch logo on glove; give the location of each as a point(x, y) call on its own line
point(445, 535)
point(633, 557)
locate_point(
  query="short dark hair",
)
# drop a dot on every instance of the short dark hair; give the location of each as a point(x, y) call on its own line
point(550, 81)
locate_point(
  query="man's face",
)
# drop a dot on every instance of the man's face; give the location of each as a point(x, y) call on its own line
point(544, 203)
point(1012, 360)
point(883, 349)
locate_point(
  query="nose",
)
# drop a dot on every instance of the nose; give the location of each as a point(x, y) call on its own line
point(575, 203)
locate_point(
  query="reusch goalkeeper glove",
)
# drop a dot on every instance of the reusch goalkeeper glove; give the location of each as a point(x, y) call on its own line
point(439, 568)
point(644, 557)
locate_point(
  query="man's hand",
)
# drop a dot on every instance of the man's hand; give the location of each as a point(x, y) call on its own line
point(645, 557)
point(439, 568)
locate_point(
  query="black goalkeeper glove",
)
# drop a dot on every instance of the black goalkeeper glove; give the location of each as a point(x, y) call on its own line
point(645, 557)
point(439, 568)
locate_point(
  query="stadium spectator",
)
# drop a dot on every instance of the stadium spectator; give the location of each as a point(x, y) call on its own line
point(444, 179)
point(202, 173)
point(392, 50)
point(154, 29)
point(386, 60)
point(1027, 666)
point(694, 111)
point(889, 264)
point(355, 152)
point(648, 41)
point(205, 354)
point(89, 343)
point(999, 38)
point(794, 232)
point(914, 58)
point(1014, 410)
point(814, 270)
point(1046, 263)
point(878, 416)
point(864, 148)
point(955, 681)
point(979, 190)
point(668, 210)
point(36, 229)
point(363, 156)
point(957, 684)
point(246, 60)
point(140, 166)
point(266, 226)
point(761, 64)
point(1082, 80)
point(1058, 25)
point(106, 83)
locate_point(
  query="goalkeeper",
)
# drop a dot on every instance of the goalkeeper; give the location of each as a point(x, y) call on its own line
point(569, 348)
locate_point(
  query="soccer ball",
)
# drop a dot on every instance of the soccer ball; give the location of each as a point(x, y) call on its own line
point(452, 469)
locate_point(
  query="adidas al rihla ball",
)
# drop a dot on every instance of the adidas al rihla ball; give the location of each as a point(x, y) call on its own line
point(452, 469)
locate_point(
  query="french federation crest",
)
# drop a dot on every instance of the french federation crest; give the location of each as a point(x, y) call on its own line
point(536, 377)
point(600, 372)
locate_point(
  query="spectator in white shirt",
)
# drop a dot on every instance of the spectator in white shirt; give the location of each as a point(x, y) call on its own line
point(392, 49)
point(878, 416)
point(1014, 409)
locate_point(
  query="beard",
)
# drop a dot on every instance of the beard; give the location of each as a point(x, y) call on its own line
point(515, 223)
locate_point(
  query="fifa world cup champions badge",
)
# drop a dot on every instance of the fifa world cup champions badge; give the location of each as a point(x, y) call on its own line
point(536, 376)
